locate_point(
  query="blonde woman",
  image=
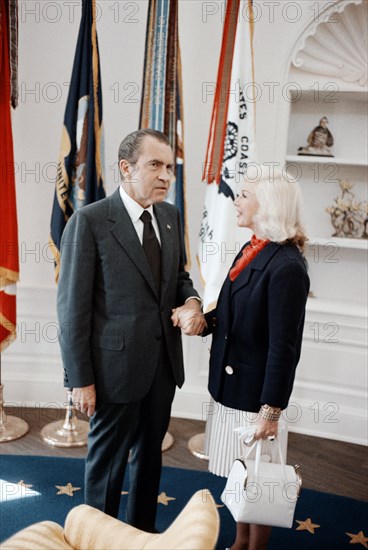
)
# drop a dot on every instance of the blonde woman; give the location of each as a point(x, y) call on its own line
point(257, 329)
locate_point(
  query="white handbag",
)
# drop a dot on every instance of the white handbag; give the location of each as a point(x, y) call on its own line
point(262, 493)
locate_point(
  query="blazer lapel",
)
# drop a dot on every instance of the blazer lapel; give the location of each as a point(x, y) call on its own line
point(258, 264)
point(167, 244)
point(125, 233)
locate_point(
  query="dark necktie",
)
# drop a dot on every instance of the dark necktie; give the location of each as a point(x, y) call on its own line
point(151, 247)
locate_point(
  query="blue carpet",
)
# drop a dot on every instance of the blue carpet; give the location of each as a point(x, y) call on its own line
point(21, 506)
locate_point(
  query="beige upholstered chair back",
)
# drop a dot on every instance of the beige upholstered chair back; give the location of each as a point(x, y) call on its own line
point(196, 528)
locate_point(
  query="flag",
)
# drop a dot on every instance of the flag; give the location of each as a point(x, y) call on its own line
point(9, 259)
point(80, 171)
point(230, 151)
point(162, 94)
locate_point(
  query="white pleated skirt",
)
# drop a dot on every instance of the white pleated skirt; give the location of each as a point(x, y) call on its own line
point(222, 443)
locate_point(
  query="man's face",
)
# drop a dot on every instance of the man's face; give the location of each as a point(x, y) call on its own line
point(148, 181)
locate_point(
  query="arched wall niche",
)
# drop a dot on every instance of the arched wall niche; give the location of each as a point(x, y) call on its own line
point(333, 46)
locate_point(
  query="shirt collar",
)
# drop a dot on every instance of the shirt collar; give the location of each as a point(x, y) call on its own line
point(134, 209)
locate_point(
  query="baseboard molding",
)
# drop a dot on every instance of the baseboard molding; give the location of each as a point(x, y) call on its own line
point(304, 416)
point(316, 419)
point(327, 419)
point(329, 374)
point(191, 402)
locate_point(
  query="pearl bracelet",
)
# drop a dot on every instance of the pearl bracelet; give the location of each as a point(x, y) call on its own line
point(269, 413)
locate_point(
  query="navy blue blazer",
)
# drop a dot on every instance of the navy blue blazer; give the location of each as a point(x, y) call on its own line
point(257, 330)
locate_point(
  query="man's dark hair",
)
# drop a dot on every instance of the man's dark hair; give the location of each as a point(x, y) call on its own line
point(130, 147)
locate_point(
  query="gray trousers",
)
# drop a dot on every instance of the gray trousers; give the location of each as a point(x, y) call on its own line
point(117, 429)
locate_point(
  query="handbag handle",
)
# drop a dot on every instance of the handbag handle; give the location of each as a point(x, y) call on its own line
point(257, 464)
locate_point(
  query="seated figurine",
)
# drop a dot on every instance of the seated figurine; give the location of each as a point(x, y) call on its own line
point(319, 141)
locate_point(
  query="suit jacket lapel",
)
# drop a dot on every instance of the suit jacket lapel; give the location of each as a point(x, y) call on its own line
point(167, 244)
point(125, 233)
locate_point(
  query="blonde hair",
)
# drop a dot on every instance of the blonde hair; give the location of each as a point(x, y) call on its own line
point(279, 215)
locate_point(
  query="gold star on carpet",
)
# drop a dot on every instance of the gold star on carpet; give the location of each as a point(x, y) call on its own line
point(358, 539)
point(307, 525)
point(22, 483)
point(164, 499)
point(67, 489)
point(125, 492)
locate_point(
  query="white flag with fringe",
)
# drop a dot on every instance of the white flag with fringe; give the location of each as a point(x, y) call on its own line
point(230, 152)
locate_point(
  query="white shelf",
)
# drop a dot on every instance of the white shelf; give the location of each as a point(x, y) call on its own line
point(305, 159)
point(328, 95)
point(361, 244)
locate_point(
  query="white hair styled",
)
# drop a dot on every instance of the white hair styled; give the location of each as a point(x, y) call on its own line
point(280, 202)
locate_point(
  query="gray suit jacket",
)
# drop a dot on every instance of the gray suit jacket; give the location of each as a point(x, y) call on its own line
point(111, 318)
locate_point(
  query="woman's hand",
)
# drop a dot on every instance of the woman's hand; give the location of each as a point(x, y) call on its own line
point(266, 428)
point(189, 318)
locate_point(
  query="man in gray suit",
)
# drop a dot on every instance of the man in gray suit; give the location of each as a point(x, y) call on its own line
point(121, 276)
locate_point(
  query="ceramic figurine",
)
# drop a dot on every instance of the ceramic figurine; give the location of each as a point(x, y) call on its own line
point(319, 141)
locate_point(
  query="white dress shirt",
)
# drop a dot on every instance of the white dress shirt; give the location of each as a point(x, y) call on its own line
point(135, 211)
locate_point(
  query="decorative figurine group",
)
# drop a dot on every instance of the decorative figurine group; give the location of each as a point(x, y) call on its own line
point(348, 216)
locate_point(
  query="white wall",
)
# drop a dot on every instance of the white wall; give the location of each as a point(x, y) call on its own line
point(48, 31)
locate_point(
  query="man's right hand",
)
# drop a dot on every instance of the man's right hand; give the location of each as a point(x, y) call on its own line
point(84, 399)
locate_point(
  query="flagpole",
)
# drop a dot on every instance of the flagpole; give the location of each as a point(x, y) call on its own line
point(11, 427)
point(73, 432)
point(236, 69)
point(215, 149)
point(161, 102)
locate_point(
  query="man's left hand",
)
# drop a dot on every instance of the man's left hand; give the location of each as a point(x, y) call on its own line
point(84, 399)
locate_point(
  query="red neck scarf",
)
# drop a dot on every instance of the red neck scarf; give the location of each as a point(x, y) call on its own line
point(248, 254)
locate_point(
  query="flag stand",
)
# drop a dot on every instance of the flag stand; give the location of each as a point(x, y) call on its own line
point(167, 442)
point(73, 432)
point(70, 432)
point(11, 427)
point(196, 446)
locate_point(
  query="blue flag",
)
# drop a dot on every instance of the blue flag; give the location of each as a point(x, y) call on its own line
point(80, 174)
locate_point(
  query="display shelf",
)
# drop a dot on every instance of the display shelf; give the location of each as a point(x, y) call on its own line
point(327, 94)
point(305, 159)
point(359, 244)
point(347, 117)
